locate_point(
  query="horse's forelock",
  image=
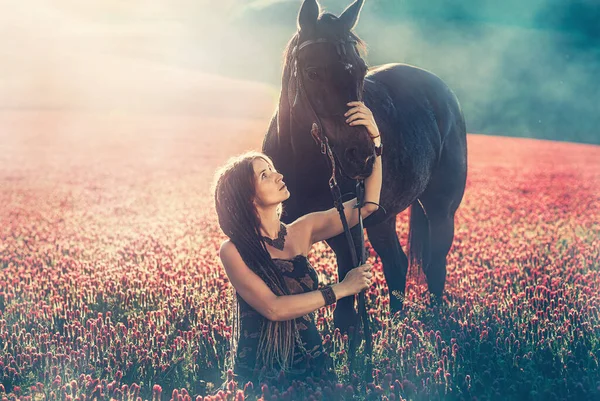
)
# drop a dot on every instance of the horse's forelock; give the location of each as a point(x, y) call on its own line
point(288, 86)
point(329, 29)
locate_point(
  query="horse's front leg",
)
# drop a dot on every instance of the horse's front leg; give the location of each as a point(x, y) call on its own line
point(384, 239)
point(345, 314)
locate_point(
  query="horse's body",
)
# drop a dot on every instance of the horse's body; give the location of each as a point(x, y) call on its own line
point(424, 166)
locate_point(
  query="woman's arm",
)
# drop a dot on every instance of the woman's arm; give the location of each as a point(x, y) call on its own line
point(279, 308)
point(326, 224)
point(258, 295)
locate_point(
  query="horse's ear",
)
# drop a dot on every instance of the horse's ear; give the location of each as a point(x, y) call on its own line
point(307, 17)
point(350, 15)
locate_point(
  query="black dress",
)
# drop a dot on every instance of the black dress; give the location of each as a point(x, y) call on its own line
point(300, 277)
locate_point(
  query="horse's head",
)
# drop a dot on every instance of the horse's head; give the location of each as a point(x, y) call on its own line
point(327, 72)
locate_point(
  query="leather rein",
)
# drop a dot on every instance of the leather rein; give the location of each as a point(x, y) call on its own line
point(322, 140)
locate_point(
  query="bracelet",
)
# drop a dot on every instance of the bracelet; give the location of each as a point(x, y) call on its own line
point(328, 295)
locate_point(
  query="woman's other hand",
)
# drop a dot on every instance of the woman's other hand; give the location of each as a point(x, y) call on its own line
point(358, 279)
point(360, 114)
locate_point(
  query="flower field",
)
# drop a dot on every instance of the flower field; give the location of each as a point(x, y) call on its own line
point(111, 287)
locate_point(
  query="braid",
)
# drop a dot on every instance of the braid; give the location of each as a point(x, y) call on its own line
point(234, 195)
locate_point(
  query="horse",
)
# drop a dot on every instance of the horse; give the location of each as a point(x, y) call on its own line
point(424, 161)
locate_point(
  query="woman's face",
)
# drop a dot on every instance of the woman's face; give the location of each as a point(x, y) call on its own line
point(270, 187)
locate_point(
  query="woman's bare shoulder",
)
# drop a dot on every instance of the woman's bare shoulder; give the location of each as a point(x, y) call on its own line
point(299, 233)
point(231, 258)
point(227, 248)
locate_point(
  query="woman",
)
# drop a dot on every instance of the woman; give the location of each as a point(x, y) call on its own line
point(265, 261)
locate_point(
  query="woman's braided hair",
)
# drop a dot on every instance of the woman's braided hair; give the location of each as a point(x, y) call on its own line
point(235, 191)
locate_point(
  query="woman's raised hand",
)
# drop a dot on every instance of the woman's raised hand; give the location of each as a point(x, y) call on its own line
point(358, 279)
point(360, 114)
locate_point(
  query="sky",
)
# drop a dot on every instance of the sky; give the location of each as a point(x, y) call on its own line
point(518, 68)
point(117, 56)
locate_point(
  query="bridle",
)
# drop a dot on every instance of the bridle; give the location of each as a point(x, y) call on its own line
point(317, 127)
point(340, 45)
point(323, 142)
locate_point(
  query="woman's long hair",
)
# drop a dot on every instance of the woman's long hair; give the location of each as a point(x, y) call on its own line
point(235, 191)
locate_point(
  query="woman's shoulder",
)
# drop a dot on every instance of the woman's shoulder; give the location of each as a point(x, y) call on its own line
point(300, 231)
point(228, 248)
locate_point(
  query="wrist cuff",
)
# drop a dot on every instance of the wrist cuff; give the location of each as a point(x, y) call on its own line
point(328, 295)
point(379, 149)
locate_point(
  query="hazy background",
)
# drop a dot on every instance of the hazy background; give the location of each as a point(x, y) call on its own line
point(519, 68)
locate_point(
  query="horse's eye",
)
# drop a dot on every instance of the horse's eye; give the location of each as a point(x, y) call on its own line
point(312, 74)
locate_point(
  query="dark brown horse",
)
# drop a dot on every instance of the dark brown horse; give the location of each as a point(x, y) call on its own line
point(425, 150)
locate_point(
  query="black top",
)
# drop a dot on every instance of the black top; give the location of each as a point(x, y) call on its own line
point(300, 277)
